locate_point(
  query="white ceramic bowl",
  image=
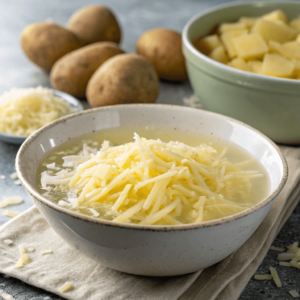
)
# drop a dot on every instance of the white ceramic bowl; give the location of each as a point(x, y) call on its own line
point(151, 250)
point(18, 140)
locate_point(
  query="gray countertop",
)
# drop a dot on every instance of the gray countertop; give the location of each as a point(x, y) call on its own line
point(135, 17)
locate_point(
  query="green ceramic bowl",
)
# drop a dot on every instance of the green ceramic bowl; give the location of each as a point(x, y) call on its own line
point(270, 104)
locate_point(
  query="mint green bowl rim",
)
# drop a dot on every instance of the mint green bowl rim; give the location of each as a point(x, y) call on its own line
point(190, 47)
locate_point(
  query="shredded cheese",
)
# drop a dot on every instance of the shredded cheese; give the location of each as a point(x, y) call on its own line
point(286, 256)
point(22, 249)
point(14, 175)
point(263, 276)
point(6, 296)
point(9, 213)
point(272, 248)
point(8, 242)
point(150, 182)
point(294, 293)
point(65, 287)
point(46, 251)
point(23, 111)
point(14, 200)
point(275, 277)
point(285, 264)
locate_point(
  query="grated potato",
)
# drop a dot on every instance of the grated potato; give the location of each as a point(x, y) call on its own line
point(152, 183)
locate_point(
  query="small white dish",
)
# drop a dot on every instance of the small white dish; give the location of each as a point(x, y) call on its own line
point(18, 140)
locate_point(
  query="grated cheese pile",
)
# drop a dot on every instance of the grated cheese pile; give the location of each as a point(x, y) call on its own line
point(23, 111)
point(152, 183)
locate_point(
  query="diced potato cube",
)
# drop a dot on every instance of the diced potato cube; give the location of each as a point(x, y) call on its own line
point(298, 39)
point(276, 15)
point(290, 50)
point(295, 24)
point(250, 46)
point(277, 65)
point(274, 46)
point(201, 46)
point(248, 22)
point(227, 41)
point(280, 33)
point(240, 64)
point(219, 55)
point(212, 41)
point(225, 27)
point(255, 66)
point(297, 64)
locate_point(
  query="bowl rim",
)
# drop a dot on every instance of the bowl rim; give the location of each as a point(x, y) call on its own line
point(217, 222)
point(187, 43)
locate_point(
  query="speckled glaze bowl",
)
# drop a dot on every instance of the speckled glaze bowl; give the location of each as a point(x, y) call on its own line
point(151, 250)
point(272, 105)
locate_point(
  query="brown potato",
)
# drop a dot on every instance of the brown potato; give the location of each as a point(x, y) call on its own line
point(125, 78)
point(44, 43)
point(95, 23)
point(71, 73)
point(162, 47)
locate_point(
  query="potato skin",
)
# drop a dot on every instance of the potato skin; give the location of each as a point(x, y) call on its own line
point(44, 43)
point(125, 78)
point(94, 23)
point(162, 47)
point(71, 73)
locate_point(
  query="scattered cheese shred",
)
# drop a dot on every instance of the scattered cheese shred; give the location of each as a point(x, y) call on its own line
point(272, 248)
point(14, 175)
point(151, 182)
point(19, 264)
point(294, 248)
point(286, 256)
point(14, 200)
point(294, 293)
point(30, 249)
point(263, 276)
point(275, 277)
point(46, 251)
point(8, 242)
point(6, 296)
point(22, 249)
point(24, 259)
point(23, 111)
point(9, 213)
point(65, 287)
point(285, 264)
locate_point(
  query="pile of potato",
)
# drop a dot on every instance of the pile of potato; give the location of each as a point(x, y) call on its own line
point(85, 60)
point(268, 45)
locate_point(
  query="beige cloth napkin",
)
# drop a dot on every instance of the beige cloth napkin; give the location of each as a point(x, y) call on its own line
point(223, 281)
